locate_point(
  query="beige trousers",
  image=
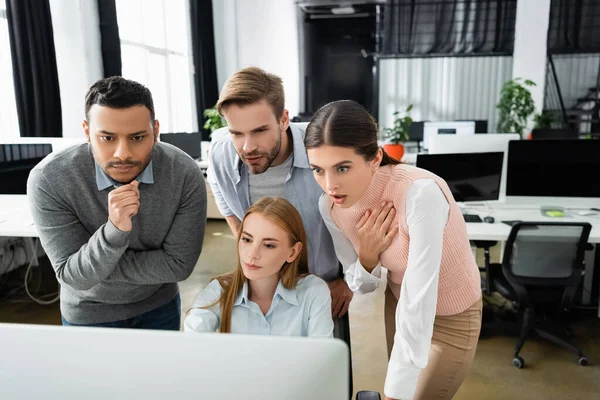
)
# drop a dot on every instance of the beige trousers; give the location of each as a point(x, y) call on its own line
point(452, 349)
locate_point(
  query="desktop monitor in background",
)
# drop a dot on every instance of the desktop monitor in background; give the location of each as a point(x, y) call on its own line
point(489, 143)
point(415, 131)
point(16, 162)
point(481, 125)
point(554, 134)
point(554, 171)
point(470, 176)
point(188, 142)
point(56, 362)
point(431, 129)
point(492, 142)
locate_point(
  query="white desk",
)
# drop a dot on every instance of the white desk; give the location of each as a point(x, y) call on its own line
point(15, 217)
point(16, 220)
point(499, 231)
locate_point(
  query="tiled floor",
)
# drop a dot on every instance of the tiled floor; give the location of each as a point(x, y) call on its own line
point(551, 373)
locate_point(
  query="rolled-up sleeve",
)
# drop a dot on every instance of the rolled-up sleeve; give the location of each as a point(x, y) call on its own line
point(202, 318)
point(426, 216)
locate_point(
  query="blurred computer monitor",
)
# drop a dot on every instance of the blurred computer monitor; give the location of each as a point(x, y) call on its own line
point(16, 162)
point(563, 170)
point(489, 143)
point(554, 134)
point(57, 362)
point(431, 129)
point(492, 142)
point(188, 142)
point(470, 176)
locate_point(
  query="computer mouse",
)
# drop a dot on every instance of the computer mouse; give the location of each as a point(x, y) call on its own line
point(488, 219)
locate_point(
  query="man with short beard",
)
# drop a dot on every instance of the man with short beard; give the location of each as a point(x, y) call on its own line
point(121, 217)
point(260, 153)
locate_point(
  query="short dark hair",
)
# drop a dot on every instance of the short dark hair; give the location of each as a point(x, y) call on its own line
point(118, 92)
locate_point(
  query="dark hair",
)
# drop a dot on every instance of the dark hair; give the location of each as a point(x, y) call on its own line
point(118, 92)
point(345, 123)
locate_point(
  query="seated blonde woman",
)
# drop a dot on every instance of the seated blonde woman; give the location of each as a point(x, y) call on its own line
point(270, 292)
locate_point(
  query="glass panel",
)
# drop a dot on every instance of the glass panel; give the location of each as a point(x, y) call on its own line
point(180, 94)
point(158, 86)
point(134, 61)
point(177, 27)
point(154, 25)
point(129, 18)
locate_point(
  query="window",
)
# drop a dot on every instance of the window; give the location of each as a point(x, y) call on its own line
point(448, 27)
point(156, 51)
point(9, 122)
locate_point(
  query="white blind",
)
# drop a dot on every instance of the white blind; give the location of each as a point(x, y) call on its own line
point(9, 123)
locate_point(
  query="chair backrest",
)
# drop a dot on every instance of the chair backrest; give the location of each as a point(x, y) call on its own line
point(546, 253)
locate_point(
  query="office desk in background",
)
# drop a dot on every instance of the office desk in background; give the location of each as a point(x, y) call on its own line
point(16, 221)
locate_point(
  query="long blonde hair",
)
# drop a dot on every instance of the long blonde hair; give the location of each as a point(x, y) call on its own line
point(285, 215)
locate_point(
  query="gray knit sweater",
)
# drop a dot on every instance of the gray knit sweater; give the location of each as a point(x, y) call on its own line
point(105, 274)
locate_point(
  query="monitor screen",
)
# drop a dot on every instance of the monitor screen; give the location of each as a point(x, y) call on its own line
point(16, 161)
point(188, 142)
point(470, 176)
point(553, 168)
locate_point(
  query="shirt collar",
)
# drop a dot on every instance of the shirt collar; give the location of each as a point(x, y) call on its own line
point(288, 295)
point(103, 181)
point(299, 151)
point(300, 156)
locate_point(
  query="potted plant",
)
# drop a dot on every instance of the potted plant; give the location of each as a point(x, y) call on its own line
point(515, 106)
point(394, 136)
point(213, 120)
point(543, 121)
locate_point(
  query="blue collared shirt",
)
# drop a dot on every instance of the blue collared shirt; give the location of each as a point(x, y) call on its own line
point(103, 181)
point(229, 182)
point(303, 311)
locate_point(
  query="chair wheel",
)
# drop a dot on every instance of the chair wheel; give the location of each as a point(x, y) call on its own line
point(518, 362)
point(583, 361)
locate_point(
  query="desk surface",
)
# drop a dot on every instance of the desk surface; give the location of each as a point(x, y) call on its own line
point(15, 217)
point(502, 212)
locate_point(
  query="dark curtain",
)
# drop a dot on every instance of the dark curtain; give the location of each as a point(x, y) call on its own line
point(109, 37)
point(448, 27)
point(34, 68)
point(205, 64)
point(573, 26)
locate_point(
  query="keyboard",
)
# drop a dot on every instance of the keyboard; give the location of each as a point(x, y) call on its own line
point(472, 218)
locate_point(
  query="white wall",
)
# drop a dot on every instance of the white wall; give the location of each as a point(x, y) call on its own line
point(531, 38)
point(78, 57)
point(261, 33)
point(442, 88)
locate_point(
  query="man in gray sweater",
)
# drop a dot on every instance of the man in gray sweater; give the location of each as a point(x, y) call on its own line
point(122, 217)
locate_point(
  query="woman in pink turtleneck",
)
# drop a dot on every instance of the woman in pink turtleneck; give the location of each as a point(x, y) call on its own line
point(384, 214)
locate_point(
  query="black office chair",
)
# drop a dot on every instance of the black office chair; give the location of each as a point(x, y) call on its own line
point(485, 245)
point(368, 395)
point(543, 264)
